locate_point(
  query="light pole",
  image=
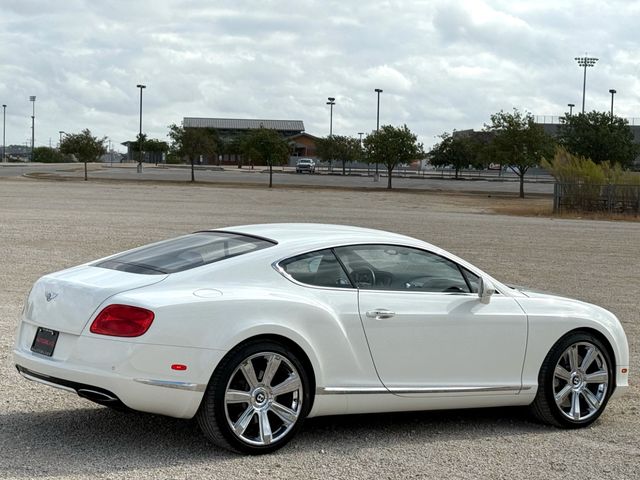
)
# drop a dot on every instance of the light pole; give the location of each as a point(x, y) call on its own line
point(141, 87)
point(612, 92)
point(571, 105)
point(331, 103)
point(378, 91)
point(360, 133)
point(4, 129)
point(585, 62)
point(32, 99)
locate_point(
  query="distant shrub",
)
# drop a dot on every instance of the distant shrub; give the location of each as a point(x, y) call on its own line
point(568, 168)
point(587, 186)
point(173, 159)
point(49, 155)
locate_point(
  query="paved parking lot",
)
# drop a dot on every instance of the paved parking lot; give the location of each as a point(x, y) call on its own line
point(403, 179)
point(47, 226)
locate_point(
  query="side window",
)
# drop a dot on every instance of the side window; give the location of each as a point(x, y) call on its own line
point(319, 268)
point(391, 267)
point(472, 279)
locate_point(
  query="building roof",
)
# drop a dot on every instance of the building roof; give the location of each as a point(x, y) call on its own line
point(303, 134)
point(242, 124)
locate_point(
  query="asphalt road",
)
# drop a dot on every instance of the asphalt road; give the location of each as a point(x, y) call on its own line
point(429, 180)
point(45, 433)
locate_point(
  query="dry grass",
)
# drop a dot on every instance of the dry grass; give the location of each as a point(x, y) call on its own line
point(543, 207)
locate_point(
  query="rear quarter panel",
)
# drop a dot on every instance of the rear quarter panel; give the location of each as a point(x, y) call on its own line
point(323, 322)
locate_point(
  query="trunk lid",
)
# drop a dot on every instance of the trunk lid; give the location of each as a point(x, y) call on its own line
point(65, 301)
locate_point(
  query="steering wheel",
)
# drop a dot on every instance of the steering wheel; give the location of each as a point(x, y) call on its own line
point(363, 277)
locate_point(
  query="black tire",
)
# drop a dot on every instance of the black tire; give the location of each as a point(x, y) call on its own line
point(265, 416)
point(564, 392)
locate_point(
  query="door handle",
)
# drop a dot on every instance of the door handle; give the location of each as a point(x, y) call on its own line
point(380, 314)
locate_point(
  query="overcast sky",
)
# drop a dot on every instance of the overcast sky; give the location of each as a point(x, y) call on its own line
point(443, 65)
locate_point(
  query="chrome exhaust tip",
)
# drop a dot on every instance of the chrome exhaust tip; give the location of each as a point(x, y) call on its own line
point(95, 396)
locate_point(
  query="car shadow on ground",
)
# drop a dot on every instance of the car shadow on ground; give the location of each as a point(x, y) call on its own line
point(352, 432)
point(97, 441)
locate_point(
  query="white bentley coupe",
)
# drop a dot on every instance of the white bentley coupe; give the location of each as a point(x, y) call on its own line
point(250, 329)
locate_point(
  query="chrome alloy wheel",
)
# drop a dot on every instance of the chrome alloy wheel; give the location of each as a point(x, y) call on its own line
point(263, 398)
point(580, 381)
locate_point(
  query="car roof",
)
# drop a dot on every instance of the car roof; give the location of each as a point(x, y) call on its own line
point(313, 233)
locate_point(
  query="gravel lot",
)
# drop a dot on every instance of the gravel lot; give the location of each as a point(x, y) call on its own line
point(46, 226)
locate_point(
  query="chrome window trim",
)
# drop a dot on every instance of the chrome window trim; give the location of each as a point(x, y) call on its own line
point(283, 272)
point(276, 266)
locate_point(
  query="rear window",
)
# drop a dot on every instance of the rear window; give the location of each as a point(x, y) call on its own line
point(183, 253)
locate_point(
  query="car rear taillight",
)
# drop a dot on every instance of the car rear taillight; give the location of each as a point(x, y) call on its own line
point(122, 321)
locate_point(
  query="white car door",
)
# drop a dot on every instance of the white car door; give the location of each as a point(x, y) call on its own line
point(427, 330)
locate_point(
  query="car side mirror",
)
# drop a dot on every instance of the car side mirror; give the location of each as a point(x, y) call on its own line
point(485, 290)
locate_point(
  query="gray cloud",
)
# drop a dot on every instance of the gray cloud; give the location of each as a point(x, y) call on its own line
point(443, 65)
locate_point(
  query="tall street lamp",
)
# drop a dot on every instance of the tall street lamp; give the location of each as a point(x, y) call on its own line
point(61, 133)
point(612, 92)
point(32, 99)
point(331, 103)
point(585, 62)
point(378, 91)
point(4, 129)
point(141, 87)
point(360, 133)
point(571, 105)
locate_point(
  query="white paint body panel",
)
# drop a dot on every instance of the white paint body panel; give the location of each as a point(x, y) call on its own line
point(445, 340)
point(202, 313)
point(76, 293)
point(551, 317)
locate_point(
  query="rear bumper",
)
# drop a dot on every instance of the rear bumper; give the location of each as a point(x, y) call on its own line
point(90, 392)
point(114, 372)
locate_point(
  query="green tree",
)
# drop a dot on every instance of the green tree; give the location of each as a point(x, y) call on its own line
point(84, 146)
point(48, 155)
point(456, 151)
point(231, 146)
point(155, 148)
point(325, 149)
point(337, 147)
point(517, 142)
point(265, 146)
point(141, 141)
point(191, 143)
point(597, 136)
point(391, 146)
